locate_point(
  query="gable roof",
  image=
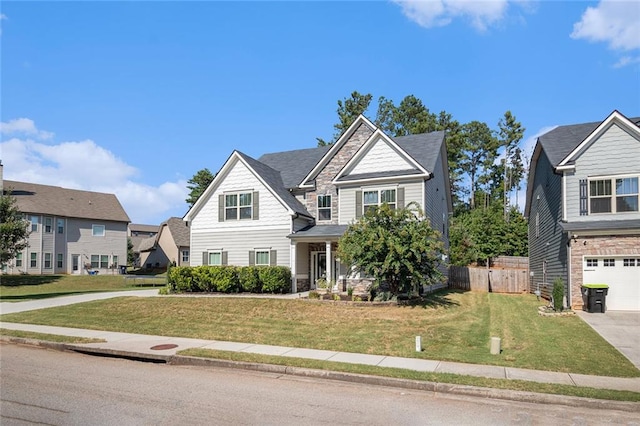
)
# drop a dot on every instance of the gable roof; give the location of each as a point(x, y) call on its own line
point(138, 227)
point(179, 231)
point(294, 165)
point(57, 201)
point(562, 144)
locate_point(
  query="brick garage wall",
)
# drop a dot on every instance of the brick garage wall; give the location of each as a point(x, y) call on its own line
point(608, 245)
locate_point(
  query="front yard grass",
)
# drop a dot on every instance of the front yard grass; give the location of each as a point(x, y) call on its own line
point(48, 337)
point(454, 326)
point(18, 288)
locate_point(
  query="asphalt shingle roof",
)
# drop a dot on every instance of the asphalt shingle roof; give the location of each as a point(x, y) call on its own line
point(179, 231)
point(320, 231)
point(64, 202)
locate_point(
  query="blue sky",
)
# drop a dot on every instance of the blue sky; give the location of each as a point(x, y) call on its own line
point(134, 98)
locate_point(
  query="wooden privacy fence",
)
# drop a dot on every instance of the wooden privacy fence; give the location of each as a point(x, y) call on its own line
point(494, 279)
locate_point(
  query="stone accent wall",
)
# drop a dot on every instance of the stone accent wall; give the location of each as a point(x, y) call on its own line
point(303, 284)
point(597, 246)
point(328, 173)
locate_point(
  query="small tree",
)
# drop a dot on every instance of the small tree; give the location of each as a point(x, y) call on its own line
point(197, 184)
point(558, 294)
point(14, 230)
point(398, 247)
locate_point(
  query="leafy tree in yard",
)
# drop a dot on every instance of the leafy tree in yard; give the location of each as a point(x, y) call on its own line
point(479, 151)
point(14, 230)
point(348, 111)
point(509, 134)
point(395, 246)
point(131, 257)
point(197, 184)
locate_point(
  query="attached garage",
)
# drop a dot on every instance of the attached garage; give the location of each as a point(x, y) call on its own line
point(621, 274)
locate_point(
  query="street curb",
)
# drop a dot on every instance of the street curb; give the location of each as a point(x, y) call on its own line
point(435, 387)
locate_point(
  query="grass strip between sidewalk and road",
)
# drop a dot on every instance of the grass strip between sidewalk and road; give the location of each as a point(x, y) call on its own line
point(19, 288)
point(48, 337)
point(454, 326)
point(515, 385)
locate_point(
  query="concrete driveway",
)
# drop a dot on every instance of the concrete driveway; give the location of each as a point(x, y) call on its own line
point(620, 328)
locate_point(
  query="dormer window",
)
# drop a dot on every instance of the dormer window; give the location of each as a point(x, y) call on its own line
point(324, 207)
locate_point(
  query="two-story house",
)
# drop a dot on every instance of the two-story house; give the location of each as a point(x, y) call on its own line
point(582, 205)
point(71, 231)
point(169, 245)
point(290, 208)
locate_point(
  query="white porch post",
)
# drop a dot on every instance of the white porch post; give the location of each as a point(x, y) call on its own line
point(294, 261)
point(329, 265)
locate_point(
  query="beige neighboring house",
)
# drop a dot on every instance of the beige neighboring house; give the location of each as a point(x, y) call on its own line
point(72, 231)
point(138, 233)
point(171, 244)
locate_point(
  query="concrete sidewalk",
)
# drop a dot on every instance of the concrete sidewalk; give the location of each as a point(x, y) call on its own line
point(141, 346)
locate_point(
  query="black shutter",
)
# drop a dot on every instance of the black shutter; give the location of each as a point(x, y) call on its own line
point(221, 208)
point(584, 198)
point(358, 204)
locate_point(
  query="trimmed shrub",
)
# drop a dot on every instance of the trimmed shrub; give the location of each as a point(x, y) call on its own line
point(181, 279)
point(249, 279)
point(558, 294)
point(203, 277)
point(225, 278)
point(275, 279)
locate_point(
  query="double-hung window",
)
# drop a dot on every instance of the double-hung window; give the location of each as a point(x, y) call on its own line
point(215, 258)
point(104, 261)
point(60, 261)
point(185, 256)
point(238, 206)
point(18, 260)
point(48, 225)
point(262, 257)
point(60, 226)
point(47, 261)
point(34, 260)
point(373, 199)
point(34, 223)
point(613, 195)
point(324, 207)
point(97, 230)
point(95, 261)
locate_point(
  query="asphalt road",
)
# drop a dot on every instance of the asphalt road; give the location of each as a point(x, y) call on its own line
point(39, 386)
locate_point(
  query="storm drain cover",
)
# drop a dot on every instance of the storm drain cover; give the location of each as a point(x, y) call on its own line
point(163, 347)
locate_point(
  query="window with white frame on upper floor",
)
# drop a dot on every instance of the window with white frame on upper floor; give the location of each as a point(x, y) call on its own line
point(34, 223)
point(48, 225)
point(372, 199)
point(97, 230)
point(60, 226)
point(324, 207)
point(613, 195)
point(238, 206)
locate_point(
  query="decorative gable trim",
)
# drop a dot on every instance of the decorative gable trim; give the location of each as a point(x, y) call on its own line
point(377, 137)
point(614, 118)
point(307, 181)
point(234, 159)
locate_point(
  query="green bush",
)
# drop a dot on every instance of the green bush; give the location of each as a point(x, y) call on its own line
point(314, 295)
point(275, 279)
point(181, 280)
point(558, 294)
point(225, 278)
point(249, 279)
point(203, 277)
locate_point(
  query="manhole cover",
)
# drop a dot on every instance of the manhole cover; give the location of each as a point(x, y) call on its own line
point(163, 347)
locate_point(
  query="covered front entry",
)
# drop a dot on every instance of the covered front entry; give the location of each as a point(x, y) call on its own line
point(319, 268)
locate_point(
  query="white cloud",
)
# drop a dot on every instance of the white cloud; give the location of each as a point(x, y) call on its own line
point(627, 60)
point(438, 13)
point(23, 126)
point(88, 166)
point(613, 21)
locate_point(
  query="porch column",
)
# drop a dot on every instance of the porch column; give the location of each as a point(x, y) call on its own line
point(329, 265)
point(293, 262)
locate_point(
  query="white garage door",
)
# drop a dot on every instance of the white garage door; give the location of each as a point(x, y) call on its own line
point(621, 274)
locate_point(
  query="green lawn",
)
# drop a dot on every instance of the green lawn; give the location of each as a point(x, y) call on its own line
point(18, 288)
point(454, 326)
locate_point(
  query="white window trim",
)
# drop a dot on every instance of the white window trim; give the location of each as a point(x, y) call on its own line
point(209, 253)
point(268, 251)
point(94, 228)
point(325, 208)
point(50, 260)
point(613, 197)
point(185, 258)
point(238, 206)
point(380, 202)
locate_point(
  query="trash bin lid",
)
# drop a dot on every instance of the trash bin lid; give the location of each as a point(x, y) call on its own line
point(595, 285)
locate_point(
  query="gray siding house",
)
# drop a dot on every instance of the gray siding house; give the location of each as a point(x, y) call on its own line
point(582, 205)
point(290, 208)
point(72, 231)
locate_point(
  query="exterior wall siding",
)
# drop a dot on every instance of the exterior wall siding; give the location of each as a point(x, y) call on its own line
point(548, 243)
point(240, 178)
point(605, 157)
point(324, 185)
point(435, 205)
point(238, 243)
point(381, 158)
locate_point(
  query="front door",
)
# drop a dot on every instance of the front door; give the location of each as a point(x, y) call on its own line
point(319, 268)
point(75, 264)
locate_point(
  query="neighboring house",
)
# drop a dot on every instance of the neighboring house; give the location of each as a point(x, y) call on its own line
point(290, 208)
point(138, 233)
point(72, 231)
point(170, 245)
point(582, 205)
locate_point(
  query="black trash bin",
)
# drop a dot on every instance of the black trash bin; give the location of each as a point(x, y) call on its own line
point(594, 298)
point(123, 269)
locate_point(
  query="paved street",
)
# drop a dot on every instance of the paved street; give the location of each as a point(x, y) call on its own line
point(50, 387)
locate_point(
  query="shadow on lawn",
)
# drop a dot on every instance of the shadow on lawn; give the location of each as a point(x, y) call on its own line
point(19, 280)
point(434, 300)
